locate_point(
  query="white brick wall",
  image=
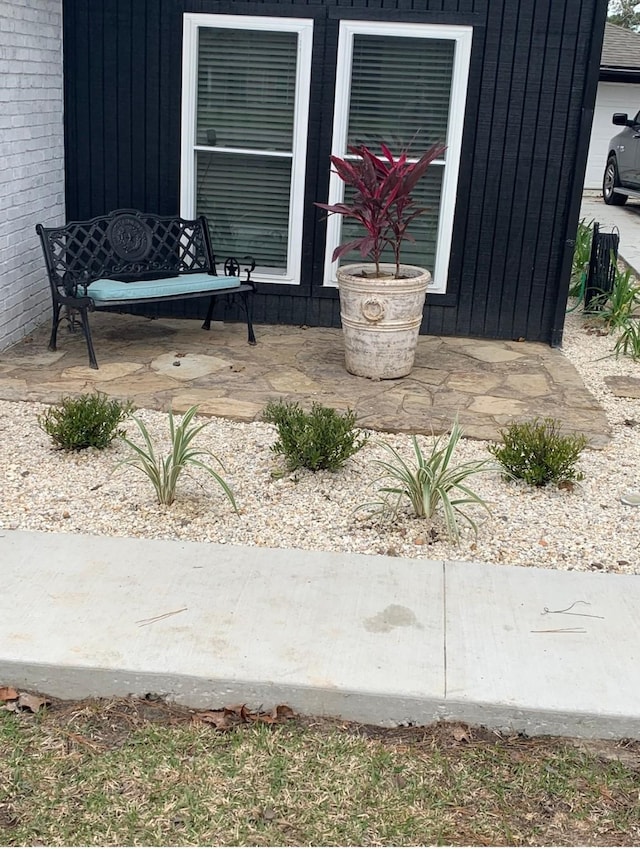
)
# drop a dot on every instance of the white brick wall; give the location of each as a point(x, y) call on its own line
point(31, 157)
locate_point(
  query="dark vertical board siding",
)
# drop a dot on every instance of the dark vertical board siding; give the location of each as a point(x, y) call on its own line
point(95, 125)
point(170, 61)
point(124, 84)
point(527, 90)
point(143, 150)
point(596, 27)
point(321, 172)
point(477, 242)
point(501, 165)
point(77, 97)
point(525, 189)
point(546, 159)
point(555, 176)
point(69, 64)
point(510, 228)
point(466, 202)
point(152, 89)
point(109, 38)
point(578, 92)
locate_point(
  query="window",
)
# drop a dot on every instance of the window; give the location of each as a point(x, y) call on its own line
point(245, 113)
point(244, 125)
point(404, 85)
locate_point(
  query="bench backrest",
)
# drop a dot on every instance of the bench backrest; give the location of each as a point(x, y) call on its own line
point(125, 245)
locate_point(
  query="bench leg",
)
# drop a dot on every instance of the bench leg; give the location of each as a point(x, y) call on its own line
point(53, 341)
point(247, 304)
point(84, 317)
point(207, 322)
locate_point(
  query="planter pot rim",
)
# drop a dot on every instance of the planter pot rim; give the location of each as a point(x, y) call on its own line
point(408, 272)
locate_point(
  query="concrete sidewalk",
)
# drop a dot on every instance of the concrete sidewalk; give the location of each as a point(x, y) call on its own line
point(372, 639)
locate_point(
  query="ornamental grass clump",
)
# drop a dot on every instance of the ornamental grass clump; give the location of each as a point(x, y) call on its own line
point(319, 439)
point(616, 308)
point(628, 342)
point(430, 483)
point(164, 471)
point(538, 453)
point(88, 421)
point(581, 257)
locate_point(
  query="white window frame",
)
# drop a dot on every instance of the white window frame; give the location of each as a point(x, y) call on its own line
point(192, 22)
point(462, 35)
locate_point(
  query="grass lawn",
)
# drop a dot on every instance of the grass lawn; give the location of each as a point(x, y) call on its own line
point(128, 772)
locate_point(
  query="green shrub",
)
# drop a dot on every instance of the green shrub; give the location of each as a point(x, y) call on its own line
point(163, 472)
point(320, 439)
point(537, 453)
point(431, 482)
point(89, 421)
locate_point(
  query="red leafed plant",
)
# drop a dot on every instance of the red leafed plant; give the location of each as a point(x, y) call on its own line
point(382, 201)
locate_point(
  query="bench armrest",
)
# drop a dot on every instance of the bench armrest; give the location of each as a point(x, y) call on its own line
point(232, 268)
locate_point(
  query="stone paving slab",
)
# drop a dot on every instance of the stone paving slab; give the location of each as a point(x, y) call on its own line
point(172, 363)
point(623, 386)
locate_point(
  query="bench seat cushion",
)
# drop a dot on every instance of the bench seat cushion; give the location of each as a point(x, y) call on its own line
point(105, 291)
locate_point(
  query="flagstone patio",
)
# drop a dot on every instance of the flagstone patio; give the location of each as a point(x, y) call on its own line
point(173, 363)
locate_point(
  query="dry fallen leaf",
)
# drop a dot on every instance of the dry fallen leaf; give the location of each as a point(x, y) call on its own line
point(461, 734)
point(240, 711)
point(218, 718)
point(229, 717)
point(283, 712)
point(8, 694)
point(32, 703)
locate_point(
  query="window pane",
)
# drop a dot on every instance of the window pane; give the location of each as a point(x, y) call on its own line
point(246, 88)
point(246, 199)
point(424, 229)
point(400, 91)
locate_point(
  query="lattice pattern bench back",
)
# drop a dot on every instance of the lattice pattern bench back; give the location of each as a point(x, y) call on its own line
point(125, 244)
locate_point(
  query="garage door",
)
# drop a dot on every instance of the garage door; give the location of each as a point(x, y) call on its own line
point(612, 97)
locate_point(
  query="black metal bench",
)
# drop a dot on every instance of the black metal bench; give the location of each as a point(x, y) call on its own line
point(130, 257)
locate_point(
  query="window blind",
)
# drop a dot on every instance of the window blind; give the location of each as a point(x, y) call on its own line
point(246, 97)
point(246, 201)
point(424, 229)
point(400, 91)
point(246, 88)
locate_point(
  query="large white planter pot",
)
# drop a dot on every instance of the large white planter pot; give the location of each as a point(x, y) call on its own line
point(381, 319)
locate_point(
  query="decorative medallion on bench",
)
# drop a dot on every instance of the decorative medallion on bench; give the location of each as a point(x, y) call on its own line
point(129, 237)
point(131, 257)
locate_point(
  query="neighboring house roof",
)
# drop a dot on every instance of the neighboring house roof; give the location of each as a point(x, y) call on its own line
point(620, 51)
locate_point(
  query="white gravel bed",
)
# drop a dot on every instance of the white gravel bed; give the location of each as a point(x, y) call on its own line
point(586, 529)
